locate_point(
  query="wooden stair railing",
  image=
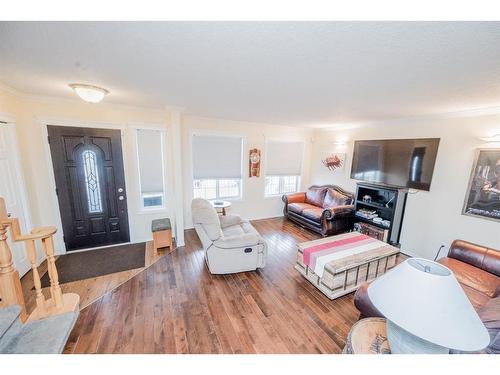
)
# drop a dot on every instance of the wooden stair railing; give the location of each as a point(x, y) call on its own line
point(10, 286)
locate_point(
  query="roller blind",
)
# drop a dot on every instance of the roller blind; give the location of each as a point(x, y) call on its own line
point(150, 157)
point(284, 158)
point(216, 157)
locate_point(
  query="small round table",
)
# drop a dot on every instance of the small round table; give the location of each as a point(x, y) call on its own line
point(221, 205)
point(368, 336)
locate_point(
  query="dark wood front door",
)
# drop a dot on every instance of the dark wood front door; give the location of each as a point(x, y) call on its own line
point(90, 185)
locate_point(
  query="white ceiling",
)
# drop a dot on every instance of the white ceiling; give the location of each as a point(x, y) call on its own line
point(294, 73)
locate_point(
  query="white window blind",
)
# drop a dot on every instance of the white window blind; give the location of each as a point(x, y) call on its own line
point(216, 157)
point(284, 158)
point(149, 152)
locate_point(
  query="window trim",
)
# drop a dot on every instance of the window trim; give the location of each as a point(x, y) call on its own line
point(287, 140)
point(142, 208)
point(281, 183)
point(215, 133)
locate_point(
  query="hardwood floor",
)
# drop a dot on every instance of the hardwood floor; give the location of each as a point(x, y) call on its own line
point(92, 289)
point(176, 306)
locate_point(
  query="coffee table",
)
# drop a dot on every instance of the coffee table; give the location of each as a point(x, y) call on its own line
point(338, 265)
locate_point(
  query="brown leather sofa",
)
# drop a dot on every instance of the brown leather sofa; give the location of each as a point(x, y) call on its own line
point(477, 269)
point(324, 209)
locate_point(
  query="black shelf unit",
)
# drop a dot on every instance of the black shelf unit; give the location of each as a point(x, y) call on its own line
point(389, 203)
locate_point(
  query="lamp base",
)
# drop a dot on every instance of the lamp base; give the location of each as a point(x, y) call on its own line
point(403, 342)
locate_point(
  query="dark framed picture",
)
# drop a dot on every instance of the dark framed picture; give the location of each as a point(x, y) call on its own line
point(483, 194)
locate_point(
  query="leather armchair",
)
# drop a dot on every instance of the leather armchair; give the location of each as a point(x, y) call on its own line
point(231, 244)
point(326, 209)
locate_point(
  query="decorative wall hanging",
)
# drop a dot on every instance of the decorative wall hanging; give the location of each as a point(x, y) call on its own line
point(483, 194)
point(254, 163)
point(334, 161)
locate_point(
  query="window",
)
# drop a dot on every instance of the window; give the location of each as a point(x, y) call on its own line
point(92, 181)
point(283, 167)
point(150, 160)
point(217, 189)
point(217, 167)
point(279, 185)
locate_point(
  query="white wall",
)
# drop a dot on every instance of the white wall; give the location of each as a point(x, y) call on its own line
point(253, 204)
point(31, 114)
point(432, 218)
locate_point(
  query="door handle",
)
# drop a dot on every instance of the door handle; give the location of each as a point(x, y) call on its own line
point(120, 190)
point(121, 197)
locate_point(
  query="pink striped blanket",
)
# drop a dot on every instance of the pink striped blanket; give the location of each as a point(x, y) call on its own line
point(321, 252)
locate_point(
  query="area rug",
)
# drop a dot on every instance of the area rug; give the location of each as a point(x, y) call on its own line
point(93, 263)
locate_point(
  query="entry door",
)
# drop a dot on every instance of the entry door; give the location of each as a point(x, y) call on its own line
point(10, 189)
point(90, 185)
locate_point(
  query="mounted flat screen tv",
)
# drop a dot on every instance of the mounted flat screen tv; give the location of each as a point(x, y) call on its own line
point(405, 163)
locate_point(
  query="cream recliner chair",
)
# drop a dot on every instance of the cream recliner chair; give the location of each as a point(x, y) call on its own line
point(231, 244)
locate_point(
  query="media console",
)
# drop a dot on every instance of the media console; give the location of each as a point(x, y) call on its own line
point(379, 211)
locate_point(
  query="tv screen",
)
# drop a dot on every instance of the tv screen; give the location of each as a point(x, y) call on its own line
point(399, 162)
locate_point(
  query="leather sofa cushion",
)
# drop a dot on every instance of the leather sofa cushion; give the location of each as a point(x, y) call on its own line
point(479, 256)
point(472, 277)
point(299, 207)
point(476, 298)
point(313, 213)
point(490, 316)
point(333, 198)
point(206, 216)
point(316, 196)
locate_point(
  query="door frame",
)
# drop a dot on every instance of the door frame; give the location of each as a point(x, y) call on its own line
point(46, 121)
point(10, 121)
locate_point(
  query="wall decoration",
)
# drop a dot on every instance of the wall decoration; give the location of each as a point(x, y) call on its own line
point(254, 163)
point(334, 161)
point(483, 193)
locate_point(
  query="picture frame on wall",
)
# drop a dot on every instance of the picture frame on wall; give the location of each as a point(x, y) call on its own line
point(483, 192)
point(333, 161)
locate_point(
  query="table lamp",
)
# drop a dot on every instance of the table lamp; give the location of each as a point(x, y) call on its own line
point(426, 309)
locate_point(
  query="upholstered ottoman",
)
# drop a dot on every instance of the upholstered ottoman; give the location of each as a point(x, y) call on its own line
point(162, 233)
point(338, 265)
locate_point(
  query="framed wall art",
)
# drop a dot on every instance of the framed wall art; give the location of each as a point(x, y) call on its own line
point(483, 193)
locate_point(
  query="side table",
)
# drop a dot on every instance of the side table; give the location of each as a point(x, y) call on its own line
point(368, 336)
point(221, 205)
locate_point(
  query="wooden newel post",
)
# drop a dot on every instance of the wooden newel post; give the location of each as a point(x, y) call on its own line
point(11, 292)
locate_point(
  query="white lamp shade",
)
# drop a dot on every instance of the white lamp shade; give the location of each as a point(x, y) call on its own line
point(89, 93)
point(429, 304)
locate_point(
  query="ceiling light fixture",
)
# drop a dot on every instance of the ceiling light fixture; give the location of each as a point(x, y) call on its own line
point(493, 138)
point(89, 93)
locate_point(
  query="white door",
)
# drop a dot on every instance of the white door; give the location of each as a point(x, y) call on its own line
point(12, 190)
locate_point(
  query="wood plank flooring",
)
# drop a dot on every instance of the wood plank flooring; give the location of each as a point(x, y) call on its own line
point(176, 306)
point(91, 289)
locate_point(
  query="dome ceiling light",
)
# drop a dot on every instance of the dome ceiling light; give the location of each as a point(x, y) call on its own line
point(89, 93)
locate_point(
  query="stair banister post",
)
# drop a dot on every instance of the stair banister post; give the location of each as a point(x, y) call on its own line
point(11, 292)
point(55, 289)
point(40, 299)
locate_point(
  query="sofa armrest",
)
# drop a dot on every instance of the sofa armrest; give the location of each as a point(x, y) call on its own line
point(228, 220)
point(344, 210)
point(238, 241)
point(294, 198)
point(364, 304)
point(478, 256)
